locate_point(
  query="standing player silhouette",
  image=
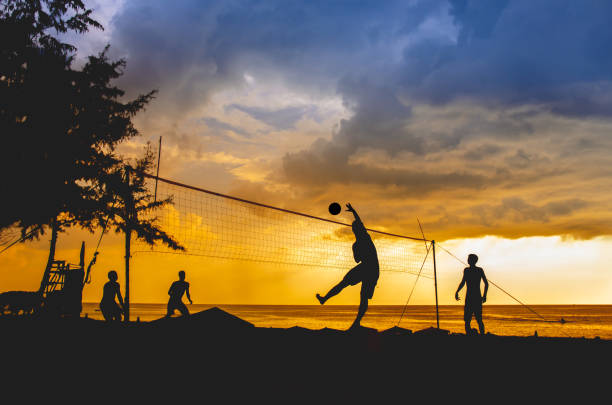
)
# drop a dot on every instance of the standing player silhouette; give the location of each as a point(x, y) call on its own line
point(473, 301)
point(176, 291)
point(366, 272)
point(109, 307)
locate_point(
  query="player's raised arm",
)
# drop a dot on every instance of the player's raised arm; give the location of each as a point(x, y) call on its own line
point(350, 208)
point(460, 286)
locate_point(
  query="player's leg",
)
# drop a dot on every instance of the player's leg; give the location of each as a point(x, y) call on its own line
point(105, 312)
point(170, 309)
point(467, 317)
point(335, 290)
point(116, 316)
point(363, 307)
point(183, 309)
point(478, 315)
point(351, 278)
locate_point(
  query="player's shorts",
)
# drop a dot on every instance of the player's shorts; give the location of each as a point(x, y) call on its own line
point(364, 274)
point(174, 304)
point(473, 307)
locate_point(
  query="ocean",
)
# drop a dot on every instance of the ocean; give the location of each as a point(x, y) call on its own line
point(581, 320)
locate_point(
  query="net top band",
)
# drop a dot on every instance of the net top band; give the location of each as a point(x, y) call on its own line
point(175, 183)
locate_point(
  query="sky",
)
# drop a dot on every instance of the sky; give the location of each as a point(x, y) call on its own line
point(490, 121)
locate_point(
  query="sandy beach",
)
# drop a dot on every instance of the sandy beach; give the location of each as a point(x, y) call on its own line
point(588, 321)
point(214, 349)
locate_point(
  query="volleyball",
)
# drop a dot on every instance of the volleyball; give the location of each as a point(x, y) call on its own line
point(334, 208)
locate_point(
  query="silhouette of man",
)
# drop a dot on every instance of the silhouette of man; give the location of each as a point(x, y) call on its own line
point(366, 272)
point(109, 307)
point(473, 300)
point(176, 291)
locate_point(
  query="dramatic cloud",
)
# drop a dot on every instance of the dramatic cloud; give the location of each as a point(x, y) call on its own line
point(281, 119)
point(215, 124)
point(500, 109)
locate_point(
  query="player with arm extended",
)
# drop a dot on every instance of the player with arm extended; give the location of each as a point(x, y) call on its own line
point(366, 272)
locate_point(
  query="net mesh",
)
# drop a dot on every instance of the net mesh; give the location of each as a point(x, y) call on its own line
point(212, 225)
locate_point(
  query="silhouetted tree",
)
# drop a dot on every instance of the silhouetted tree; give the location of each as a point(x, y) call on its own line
point(128, 206)
point(59, 126)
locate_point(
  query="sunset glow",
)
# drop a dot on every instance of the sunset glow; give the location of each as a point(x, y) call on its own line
point(498, 141)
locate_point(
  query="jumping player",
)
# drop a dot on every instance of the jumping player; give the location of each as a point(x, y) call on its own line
point(473, 300)
point(176, 291)
point(366, 272)
point(109, 307)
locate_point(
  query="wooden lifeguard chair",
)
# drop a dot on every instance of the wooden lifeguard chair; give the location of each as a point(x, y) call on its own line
point(62, 286)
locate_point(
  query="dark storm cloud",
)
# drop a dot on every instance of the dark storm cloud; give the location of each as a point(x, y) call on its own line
point(514, 217)
point(191, 49)
point(551, 55)
point(552, 52)
point(325, 165)
point(482, 151)
point(517, 210)
point(379, 120)
point(522, 159)
point(215, 124)
point(302, 169)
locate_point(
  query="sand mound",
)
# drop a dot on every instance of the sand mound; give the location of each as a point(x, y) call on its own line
point(396, 331)
point(213, 318)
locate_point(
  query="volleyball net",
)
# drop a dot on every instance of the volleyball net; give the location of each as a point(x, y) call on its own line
point(215, 225)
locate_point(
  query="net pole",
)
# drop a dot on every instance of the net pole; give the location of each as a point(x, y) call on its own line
point(128, 237)
point(433, 247)
point(158, 160)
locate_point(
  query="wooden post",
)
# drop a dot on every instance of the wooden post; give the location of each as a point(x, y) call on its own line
point(433, 247)
point(45, 278)
point(82, 256)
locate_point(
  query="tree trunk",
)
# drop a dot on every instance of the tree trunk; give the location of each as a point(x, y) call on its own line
point(45, 278)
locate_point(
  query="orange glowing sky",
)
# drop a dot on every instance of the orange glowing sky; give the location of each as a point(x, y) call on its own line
point(499, 143)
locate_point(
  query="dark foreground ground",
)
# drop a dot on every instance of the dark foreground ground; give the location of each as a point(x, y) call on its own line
point(215, 357)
